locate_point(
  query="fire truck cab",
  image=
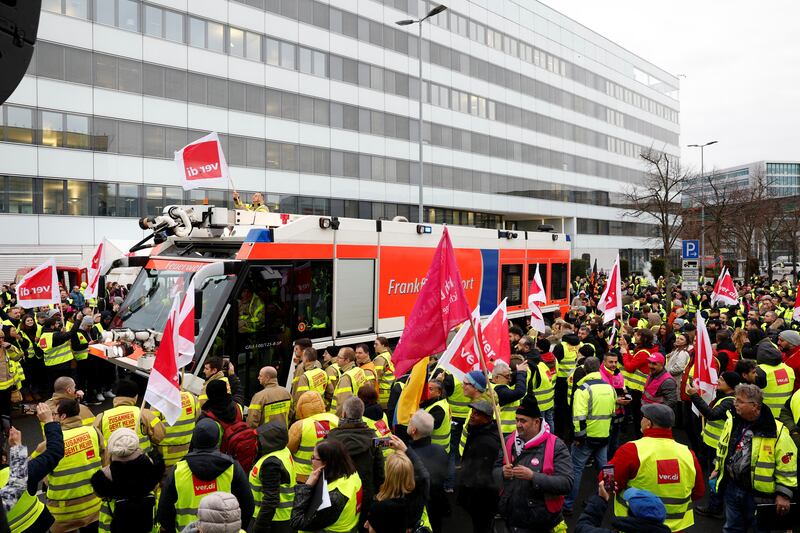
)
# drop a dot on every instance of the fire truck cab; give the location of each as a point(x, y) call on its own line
point(263, 280)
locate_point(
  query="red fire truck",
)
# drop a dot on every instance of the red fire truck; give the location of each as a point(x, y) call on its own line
point(263, 280)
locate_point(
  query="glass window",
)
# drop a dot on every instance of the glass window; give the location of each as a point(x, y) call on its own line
point(130, 138)
point(236, 151)
point(53, 197)
point(256, 153)
point(511, 284)
point(273, 155)
point(173, 26)
point(273, 52)
point(105, 71)
point(153, 21)
point(79, 65)
point(236, 42)
point(350, 165)
point(128, 14)
point(306, 159)
point(128, 200)
point(273, 103)
point(154, 137)
point(321, 15)
point(319, 64)
point(289, 106)
point(236, 95)
point(289, 157)
point(78, 198)
point(104, 199)
point(336, 68)
point(558, 282)
point(129, 75)
point(287, 55)
point(77, 132)
point(153, 200)
point(321, 112)
point(52, 5)
point(217, 92)
point(50, 61)
point(105, 12)
point(254, 99)
point(175, 140)
point(198, 93)
point(253, 46)
point(336, 115)
point(197, 32)
point(20, 195)
point(52, 127)
point(305, 109)
point(216, 37)
point(153, 80)
point(305, 60)
point(175, 84)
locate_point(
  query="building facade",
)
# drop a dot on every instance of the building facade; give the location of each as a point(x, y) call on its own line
point(780, 178)
point(529, 118)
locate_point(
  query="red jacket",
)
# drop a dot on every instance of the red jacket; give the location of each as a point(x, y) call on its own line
point(638, 361)
point(626, 463)
point(792, 359)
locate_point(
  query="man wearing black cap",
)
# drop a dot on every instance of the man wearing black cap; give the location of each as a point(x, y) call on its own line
point(657, 463)
point(714, 415)
point(535, 482)
point(477, 488)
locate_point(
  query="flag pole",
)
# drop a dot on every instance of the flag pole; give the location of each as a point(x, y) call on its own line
point(495, 407)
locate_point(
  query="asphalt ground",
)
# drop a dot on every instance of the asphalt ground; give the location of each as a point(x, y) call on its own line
point(458, 521)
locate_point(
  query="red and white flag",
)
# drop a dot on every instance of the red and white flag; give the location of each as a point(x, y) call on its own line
point(724, 289)
point(611, 301)
point(94, 271)
point(796, 312)
point(39, 286)
point(705, 375)
point(185, 328)
point(494, 336)
point(460, 357)
point(441, 305)
point(537, 318)
point(202, 163)
point(536, 291)
point(163, 389)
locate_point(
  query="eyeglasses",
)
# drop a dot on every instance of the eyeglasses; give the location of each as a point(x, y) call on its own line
point(737, 400)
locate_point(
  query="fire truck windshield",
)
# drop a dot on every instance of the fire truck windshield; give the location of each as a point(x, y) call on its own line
point(150, 298)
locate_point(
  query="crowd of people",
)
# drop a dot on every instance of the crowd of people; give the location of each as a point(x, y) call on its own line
point(583, 400)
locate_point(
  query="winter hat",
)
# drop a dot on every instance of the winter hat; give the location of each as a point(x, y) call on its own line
point(205, 435)
point(123, 445)
point(529, 407)
point(87, 322)
point(219, 512)
point(482, 406)
point(766, 352)
point(659, 414)
point(477, 379)
point(790, 336)
point(731, 378)
point(645, 504)
point(217, 389)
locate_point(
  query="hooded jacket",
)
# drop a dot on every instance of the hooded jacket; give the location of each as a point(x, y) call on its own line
point(309, 404)
point(207, 463)
point(357, 440)
point(592, 517)
point(271, 437)
point(766, 354)
point(220, 403)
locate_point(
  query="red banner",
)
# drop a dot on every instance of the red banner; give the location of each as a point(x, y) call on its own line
point(39, 286)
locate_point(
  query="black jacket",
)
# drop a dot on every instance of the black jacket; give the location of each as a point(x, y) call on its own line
point(373, 412)
point(413, 503)
point(723, 404)
point(41, 466)
point(306, 519)
point(435, 460)
point(591, 520)
point(436, 412)
point(271, 437)
point(480, 451)
point(357, 440)
point(207, 463)
point(507, 394)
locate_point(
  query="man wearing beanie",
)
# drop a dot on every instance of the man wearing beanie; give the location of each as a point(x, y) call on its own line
point(203, 471)
point(535, 482)
point(715, 416)
point(218, 513)
point(475, 389)
point(126, 485)
point(659, 464)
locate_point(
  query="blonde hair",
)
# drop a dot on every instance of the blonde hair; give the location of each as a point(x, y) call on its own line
point(399, 477)
point(739, 337)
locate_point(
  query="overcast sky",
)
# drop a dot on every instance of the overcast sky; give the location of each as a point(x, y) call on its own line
point(741, 60)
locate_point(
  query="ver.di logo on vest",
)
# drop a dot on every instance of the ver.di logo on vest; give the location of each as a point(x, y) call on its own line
point(668, 471)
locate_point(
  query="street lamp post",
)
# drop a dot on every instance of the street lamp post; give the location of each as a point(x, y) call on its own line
point(702, 204)
point(433, 12)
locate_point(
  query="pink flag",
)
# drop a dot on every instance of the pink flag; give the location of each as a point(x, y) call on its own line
point(440, 306)
point(536, 292)
point(724, 289)
point(611, 301)
point(495, 336)
point(537, 319)
point(796, 312)
point(163, 390)
point(185, 331)
point(705, 376)
point(202, 163)
point(94, 271)
point(39, 286)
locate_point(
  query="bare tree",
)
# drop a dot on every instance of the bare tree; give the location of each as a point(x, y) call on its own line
point(659, 196)
point(719, 201)
point(790, 227)
point(750, 215)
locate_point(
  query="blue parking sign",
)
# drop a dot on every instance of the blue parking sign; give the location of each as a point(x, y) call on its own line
point(690, 249)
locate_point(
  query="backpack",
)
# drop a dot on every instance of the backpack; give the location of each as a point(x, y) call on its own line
point(238, 440)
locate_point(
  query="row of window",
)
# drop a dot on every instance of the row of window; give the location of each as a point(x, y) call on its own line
point(93, 68)
point(589, 226)
point(70, 130)
point(222, 38)
point(783, 168)
point(44, 196)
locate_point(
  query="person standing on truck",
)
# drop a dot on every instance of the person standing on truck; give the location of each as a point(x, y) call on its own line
point(257, 205)
point(384, 370)
point(272, 403)
point(352, 377)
